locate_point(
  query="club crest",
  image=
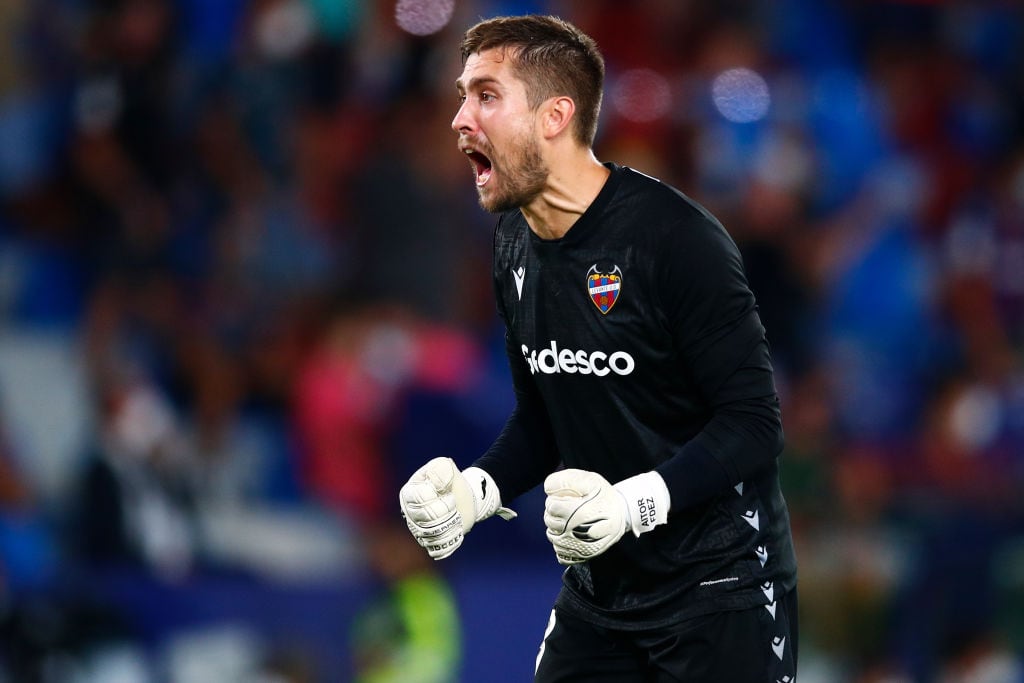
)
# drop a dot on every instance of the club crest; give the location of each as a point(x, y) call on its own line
point(604, 288)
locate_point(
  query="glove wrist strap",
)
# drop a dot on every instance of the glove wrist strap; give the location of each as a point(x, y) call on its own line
point(647, 501)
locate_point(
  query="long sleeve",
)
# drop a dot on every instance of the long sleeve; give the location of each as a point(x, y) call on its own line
point(719, 335)
point(524, 451)
point(743, 437)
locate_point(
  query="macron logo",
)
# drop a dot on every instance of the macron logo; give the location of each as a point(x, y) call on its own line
point(520, 275)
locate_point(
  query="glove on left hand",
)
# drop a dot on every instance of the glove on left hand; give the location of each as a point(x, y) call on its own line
point(584, 515)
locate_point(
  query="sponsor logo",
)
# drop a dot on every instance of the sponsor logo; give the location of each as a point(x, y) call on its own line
point(582, 531)
point(452, 542)
point(604, 288)
point(553, 361)
point(441, 529)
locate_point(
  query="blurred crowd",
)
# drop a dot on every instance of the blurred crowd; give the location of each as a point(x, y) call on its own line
point(245, 290)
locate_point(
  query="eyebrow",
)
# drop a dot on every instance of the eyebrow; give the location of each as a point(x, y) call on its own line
point(475, 82)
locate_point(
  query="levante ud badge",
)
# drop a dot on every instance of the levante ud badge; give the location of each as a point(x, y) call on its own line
point(604, 288)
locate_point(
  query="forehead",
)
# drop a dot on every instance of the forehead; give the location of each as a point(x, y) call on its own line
point(493, 66)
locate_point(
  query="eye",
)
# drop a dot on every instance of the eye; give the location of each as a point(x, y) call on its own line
point(487, 97)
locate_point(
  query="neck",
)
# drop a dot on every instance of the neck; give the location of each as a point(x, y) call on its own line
point(573, 184)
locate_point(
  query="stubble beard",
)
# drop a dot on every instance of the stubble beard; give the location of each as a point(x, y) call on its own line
point(522, 180)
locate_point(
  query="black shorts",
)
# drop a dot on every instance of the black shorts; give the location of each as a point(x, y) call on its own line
point(757, 645)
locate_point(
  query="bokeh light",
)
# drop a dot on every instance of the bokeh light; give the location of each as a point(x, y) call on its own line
point(641, 95)
point(741, 95)
point(976, 417)
point(423, 17)
point(284, 29)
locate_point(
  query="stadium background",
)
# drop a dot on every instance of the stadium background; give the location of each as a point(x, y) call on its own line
point(244, 291)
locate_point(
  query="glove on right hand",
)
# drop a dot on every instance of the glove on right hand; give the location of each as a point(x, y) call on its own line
point(440, 504)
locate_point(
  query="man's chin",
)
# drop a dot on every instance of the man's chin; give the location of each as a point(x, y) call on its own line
point(500, 202)
point(493, 203)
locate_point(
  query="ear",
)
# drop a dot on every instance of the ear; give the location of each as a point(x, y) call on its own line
point(556, 116)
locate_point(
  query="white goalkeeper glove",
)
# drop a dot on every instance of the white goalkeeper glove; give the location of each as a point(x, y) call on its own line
point(585, 515)
point(440, 504)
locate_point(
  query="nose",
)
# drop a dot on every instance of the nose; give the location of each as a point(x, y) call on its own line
point(463, 122)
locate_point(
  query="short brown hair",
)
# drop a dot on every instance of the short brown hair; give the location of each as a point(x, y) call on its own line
point(552, 57)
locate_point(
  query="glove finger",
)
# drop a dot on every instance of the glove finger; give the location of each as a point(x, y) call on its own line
point(559, 518)
point(565, 549)
point(430, 481)
point(555, 523)
point(572, 482)
point(439, 473)
point(428, 515)
point(436, 526)
point(561, 508)
point(421, 503)
point(417, 491)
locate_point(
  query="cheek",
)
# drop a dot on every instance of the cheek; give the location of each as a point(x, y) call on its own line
point(513, 132)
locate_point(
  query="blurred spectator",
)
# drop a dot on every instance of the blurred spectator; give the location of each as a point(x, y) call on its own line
point(349, 394)
point(27, 552)
point(133, 504)
point(411, 632)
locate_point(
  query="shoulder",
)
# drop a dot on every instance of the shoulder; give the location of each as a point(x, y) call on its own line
point(510, 227)
point(508, 230)
point(510, 237)
point(670, 219)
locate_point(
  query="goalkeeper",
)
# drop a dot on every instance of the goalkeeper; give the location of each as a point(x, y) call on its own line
point(646, 403)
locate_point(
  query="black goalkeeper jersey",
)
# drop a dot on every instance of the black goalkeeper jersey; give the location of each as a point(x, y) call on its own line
point(635, 345)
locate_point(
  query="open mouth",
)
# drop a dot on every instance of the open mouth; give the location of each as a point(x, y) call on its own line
point(481, 166)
